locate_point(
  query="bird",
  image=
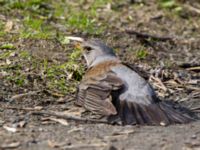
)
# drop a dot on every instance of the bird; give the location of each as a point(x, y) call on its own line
point(118, 93)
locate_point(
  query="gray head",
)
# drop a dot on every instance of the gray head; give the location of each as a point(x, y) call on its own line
point(94, 51)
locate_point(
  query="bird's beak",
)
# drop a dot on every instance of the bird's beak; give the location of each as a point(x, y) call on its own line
point(77, 39)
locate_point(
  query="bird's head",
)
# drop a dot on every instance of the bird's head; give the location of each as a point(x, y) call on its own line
point(94, 51)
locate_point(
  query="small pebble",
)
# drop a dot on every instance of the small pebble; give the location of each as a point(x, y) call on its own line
point(194, 136)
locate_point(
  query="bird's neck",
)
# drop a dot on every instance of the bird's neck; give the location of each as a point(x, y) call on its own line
point(101, 59)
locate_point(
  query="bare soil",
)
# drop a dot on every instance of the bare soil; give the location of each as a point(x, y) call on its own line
point(172, 64)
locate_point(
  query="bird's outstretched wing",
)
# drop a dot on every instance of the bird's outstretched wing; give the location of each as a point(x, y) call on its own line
point(94, 93)
point(105, 93)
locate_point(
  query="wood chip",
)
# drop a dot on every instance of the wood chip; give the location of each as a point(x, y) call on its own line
point(163, 124)
point(10, 129)
point(61, 121)
point(73, 38)
point(54, 144)
point(22, 124)
point(126, 132)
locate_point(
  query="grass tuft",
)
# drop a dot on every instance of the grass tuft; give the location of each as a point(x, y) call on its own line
point(141, 54)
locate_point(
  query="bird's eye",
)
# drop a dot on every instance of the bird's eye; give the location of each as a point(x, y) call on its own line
point(87, 48)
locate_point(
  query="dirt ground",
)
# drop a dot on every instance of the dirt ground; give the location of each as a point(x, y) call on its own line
point(39, 70)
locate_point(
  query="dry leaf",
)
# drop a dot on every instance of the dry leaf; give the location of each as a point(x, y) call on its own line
point(8, 26)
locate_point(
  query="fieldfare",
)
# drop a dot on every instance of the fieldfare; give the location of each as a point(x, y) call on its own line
point(117, 92)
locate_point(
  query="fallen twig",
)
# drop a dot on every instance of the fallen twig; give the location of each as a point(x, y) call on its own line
point(72, 118)
point(188, 65)
point(145, 35)
point(54, 93)
point(10, 146)
point(33, 111)
point(159, 83)
point(195, 108)
point(193, 9)
point(26, 109)
point(197, 68)
point(61, 121)
point(20, 96)
point(81, 146)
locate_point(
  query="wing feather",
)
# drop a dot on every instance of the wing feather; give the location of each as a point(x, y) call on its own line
point(95, 93)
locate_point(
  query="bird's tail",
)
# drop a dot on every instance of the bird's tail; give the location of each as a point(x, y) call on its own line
point(160, 113)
